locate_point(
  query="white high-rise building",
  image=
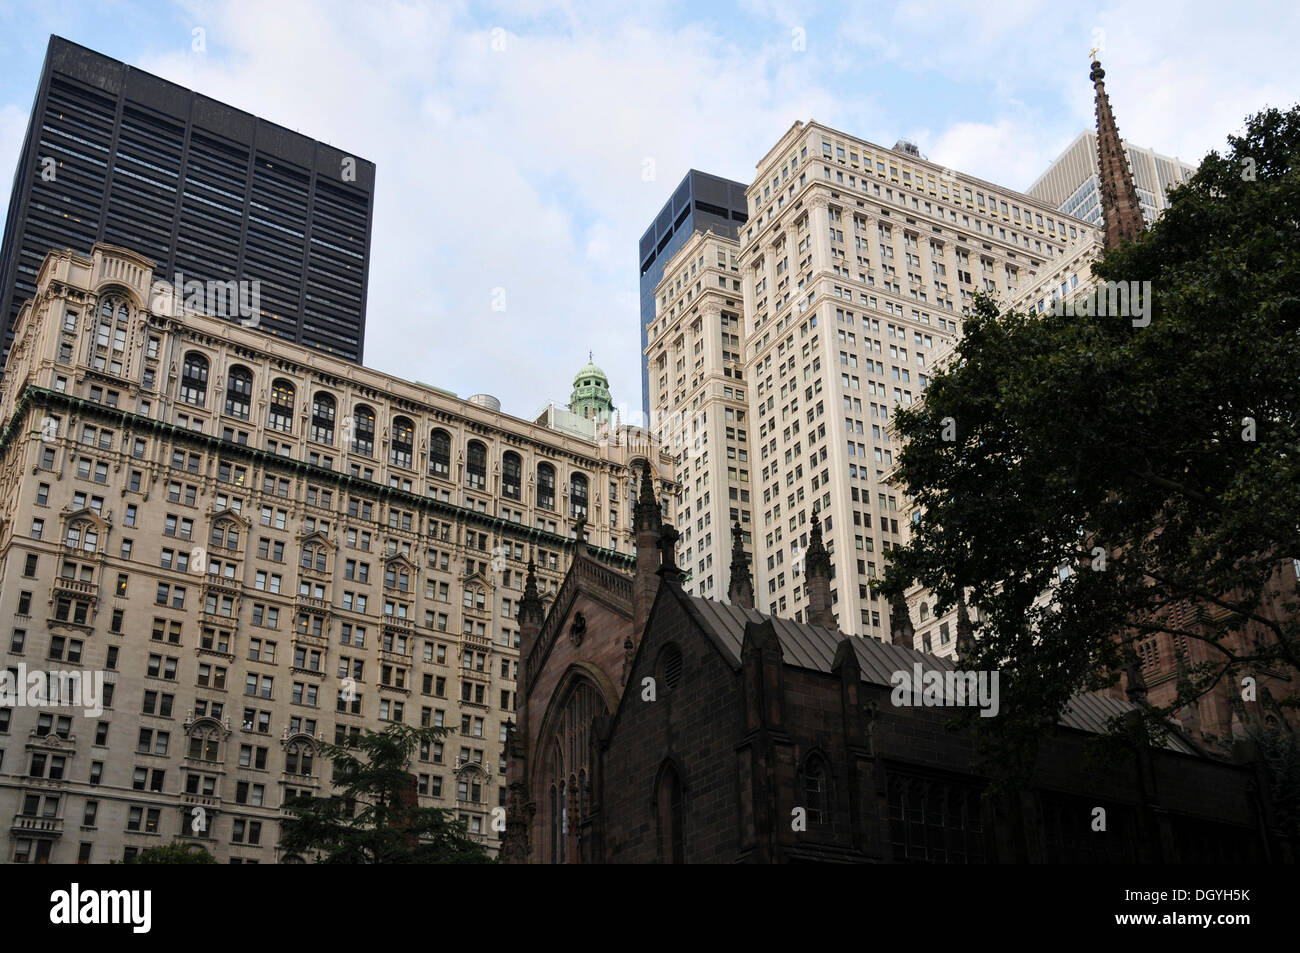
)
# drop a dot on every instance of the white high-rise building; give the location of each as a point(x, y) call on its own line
point(857, 264)
point(699, 404)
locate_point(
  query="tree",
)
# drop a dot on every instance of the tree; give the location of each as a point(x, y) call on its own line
point(1156, 457)
point(374, 820)
point(174, 853)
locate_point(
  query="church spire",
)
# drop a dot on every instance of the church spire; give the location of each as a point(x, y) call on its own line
point(817, 578)
point(740, 592)
point(1120, 209)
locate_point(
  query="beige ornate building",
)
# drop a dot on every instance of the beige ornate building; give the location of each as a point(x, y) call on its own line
point(259, 547)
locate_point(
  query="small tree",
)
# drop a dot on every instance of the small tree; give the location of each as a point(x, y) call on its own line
point(175, 853)
point(373, 820)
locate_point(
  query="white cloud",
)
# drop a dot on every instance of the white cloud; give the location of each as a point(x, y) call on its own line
point(1007, 152)
point(519, 169)
point(523, 169)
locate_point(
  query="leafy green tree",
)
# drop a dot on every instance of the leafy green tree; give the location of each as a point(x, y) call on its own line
point(1157, 458)
point(373, 820)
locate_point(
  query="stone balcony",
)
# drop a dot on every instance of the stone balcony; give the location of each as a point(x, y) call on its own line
point(42, 826)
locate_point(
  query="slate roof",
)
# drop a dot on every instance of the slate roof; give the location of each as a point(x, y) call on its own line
point(813, 647)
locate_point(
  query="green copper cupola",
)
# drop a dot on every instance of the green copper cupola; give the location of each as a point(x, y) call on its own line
point(591, 398)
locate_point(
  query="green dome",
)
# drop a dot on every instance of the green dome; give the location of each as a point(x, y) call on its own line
point(591, 397)
point(591, 375)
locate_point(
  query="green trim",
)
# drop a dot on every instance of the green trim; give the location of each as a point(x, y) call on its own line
point(42, 398)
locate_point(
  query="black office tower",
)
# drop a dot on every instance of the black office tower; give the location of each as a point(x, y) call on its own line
point(114, 154)
point(701, 201)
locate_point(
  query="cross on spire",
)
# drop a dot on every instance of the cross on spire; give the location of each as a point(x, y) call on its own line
point(1120, 209)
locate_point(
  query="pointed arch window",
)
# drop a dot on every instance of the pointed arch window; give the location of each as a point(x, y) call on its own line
point(440, 454)
point(401, 451)
point(546, 486)
point(568, 766)
point(239, 392)
point(323, 411)
point(816, 790)
point(512, 474)
point(670, 816)
point(363, 431)
point(280, 416)
point(194, 379)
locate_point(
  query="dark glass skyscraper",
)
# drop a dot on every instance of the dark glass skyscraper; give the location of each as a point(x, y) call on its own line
point(701, 201)
point(114, 154)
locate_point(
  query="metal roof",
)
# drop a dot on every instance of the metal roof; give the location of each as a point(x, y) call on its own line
point(813, 647)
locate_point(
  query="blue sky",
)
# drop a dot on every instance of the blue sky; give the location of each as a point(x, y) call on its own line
point(518, 164)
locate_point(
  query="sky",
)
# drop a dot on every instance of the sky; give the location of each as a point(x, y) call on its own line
point(523, 148)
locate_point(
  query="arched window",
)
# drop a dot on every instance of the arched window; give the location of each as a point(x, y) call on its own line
point(314, 557)
point(816, 790)
point(512, 474)
point(110, 336)
point(670, 816)
point(546, 486)
point(569, 757)
point(469, 786)
point(578, 497)
point(225, 534)
point(281, 413)
point(440, 454)
point(363, 431)
point(205, 742)
point(476, 465)
point(194, 379)
point(402, 449)
point(239, 392)
point(298, 758)
point(323, 409)
point(83, 536)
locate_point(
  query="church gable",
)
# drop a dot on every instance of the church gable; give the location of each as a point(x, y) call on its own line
point(680, 683)
point(588, 628)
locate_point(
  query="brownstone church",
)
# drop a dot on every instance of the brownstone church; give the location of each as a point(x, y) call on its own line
point(657, 727)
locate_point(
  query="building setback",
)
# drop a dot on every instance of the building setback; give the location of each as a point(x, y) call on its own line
point(114, 154)
point(261, 547)
point(700, 201)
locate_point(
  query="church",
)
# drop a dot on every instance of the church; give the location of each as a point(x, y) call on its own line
point(658, 727)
